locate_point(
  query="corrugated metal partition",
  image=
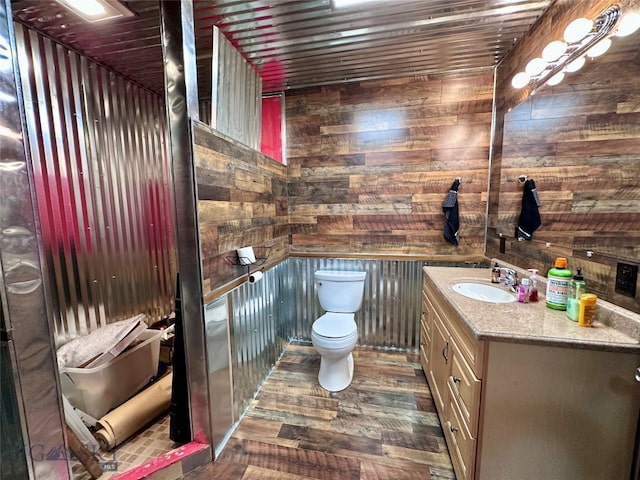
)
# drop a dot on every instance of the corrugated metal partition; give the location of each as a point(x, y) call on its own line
point(390, 312)
point(268, 314)
point(263, 317)
point(236, 93)
point(283, 306)
point(103, 195)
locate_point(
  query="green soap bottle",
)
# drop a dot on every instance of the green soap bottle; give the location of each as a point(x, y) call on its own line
point(558, 280)
point(577, 287)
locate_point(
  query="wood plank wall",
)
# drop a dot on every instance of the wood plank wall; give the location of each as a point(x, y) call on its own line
point(242, 201)
point(580, 142)
point(370, 164)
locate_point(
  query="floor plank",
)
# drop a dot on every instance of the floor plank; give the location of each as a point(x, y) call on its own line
point(382, 427)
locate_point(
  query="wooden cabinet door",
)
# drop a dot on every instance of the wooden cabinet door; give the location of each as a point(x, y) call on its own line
point(439, 363)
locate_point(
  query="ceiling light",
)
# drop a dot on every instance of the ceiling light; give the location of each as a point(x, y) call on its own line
point(576, 65)
point(96, 10)
point(556, 79)
point(628, 24)
point(577, 30)
point(599, 48)
point(91, 8)
point(535, 66)
point(554, 51)
point(520, 80)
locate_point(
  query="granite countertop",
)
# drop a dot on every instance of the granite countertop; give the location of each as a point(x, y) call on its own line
point(614, 329)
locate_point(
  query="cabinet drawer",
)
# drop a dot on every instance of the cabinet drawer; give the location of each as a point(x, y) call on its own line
point(462, 445)
point(465, 386)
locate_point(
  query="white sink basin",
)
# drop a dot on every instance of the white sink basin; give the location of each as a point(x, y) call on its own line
point(484, 293)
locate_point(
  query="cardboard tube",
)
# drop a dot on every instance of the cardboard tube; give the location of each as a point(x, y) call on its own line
point(119, 424)
point(255, 277)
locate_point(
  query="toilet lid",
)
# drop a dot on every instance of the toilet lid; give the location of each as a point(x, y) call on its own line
point(335, 325)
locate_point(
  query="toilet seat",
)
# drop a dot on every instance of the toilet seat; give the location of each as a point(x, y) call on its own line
point(334, 331)
point(335, 325)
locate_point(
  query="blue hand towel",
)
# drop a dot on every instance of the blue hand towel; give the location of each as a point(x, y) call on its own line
point(529, 220)
point(451, 214)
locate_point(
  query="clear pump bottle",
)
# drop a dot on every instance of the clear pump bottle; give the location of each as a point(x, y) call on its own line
point(577, 287)
point(533, 285)
point(523, 291)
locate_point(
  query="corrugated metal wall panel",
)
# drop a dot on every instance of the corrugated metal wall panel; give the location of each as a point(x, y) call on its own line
point(236, 94)
point(262, 324)
point(390, 312)
point(103, 193)
point(283, 306)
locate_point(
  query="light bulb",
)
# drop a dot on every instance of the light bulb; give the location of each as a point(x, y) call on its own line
point(535, 66)
point(629, 23)
point(554, 51)
point(599, 48)
point(520, 80)
point(576, 65)
point(556, 79)
point(577, 30)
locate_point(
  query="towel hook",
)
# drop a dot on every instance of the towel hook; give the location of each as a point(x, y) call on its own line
point(459, 179)
point(522, 178)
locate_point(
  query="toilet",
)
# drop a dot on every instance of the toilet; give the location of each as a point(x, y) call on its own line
point(335, 334)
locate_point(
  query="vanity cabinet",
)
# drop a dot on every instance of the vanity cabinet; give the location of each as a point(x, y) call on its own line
point(513, 408)
point(452, 363)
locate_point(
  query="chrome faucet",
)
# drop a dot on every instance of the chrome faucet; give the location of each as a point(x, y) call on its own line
point(511, 278)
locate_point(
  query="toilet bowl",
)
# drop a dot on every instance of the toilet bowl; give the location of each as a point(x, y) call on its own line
point(335, 334)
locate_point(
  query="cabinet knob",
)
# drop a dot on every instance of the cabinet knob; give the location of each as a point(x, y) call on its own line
point(638, 374)
point(452, 428)
point(456, 379)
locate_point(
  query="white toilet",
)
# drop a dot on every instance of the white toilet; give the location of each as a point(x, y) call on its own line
point(335, 333)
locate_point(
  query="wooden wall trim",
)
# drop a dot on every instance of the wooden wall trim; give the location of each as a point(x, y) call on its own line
point(408, 258)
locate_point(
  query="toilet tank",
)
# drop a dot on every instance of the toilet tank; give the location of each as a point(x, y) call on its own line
point(339, 291)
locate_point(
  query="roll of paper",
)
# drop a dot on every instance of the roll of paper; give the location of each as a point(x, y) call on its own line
point(246, 255)
point(255, 277)
point(122, 422)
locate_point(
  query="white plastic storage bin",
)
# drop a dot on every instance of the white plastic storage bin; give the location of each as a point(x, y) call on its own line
point(98, 390)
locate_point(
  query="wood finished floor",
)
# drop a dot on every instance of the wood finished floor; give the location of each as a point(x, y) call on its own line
point(383, 427)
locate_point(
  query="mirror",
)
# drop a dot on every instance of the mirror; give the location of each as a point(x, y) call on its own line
point(580, 142)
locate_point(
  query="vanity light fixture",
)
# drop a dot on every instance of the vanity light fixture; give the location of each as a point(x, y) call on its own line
point(96, 10)
point(582, 37)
